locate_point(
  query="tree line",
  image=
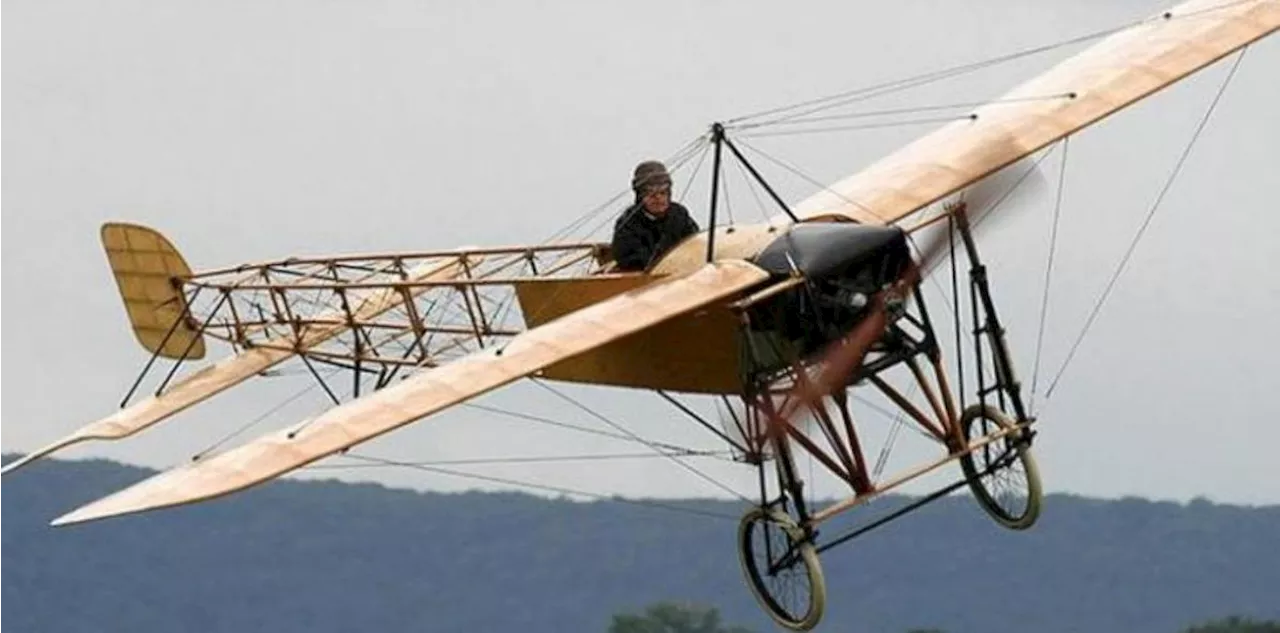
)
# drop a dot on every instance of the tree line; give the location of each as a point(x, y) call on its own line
point(674, 617)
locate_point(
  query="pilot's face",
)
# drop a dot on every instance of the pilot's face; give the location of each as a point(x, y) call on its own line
point(657, 200)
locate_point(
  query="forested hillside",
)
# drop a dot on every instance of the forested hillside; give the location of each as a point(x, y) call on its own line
point(328, 556)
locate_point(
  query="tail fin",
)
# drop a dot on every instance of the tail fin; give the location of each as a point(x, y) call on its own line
point(148, 271)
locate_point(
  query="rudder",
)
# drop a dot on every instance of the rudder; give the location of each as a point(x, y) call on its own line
point(148, 272)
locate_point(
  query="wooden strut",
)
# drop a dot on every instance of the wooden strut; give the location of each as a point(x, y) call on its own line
point(390, 312)
point(590, 247)
point(837, 443)
point(849, 503)
point(844, 456)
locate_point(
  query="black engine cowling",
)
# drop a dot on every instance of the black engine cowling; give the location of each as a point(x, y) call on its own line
point(844, 263)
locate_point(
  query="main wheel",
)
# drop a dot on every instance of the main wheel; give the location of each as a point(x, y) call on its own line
point(782, 568)
point(1003, 474)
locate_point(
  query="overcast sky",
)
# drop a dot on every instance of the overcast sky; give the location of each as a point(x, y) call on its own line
point(253, 130)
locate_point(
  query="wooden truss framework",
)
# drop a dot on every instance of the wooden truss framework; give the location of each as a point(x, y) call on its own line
point(378, 315)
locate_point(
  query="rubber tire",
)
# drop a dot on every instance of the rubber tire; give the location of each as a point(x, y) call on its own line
point(980, 492)
point(808, 557)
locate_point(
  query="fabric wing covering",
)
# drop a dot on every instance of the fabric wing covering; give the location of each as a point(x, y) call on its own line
point(1101, 80)
point(427, 392)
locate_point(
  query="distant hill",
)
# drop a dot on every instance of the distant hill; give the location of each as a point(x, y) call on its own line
point(327, 556)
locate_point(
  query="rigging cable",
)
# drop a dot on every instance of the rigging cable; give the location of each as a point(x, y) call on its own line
point(1146, 221)
point(546, 487)
point(804, 176)
point(889, 87)
point(862, 126)
point(274, 409)
point(976, 221)
point(676, 159)
point(899, 421)
point(1048, 272)
point(675, 169)
point(909, 110)
point(724, 189)
point(623, 429)
point(565, 425)
point(751, 187)
point(867, 92)
point(534, 459)
point(688, 153)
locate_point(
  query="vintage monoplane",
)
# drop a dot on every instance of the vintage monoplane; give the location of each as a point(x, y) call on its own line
point(784, 317)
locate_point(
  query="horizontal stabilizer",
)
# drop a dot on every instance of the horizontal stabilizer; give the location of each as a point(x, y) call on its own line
point(192, 389)
point(229, 372)
point(428, 392)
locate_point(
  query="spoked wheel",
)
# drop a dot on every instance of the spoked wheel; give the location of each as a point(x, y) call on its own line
point(1003, 474)
point(782, 568)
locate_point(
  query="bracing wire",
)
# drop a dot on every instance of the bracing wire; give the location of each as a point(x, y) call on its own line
point(536, 486)
point(534, 459)
point(254, 422)
point(797, 172)
point(1048, 275)
point(677, 158)
point(1146, 222)
point(584, 429)
point(606, 420)
point(751, 187)
point(858, 127)
point(895, 111)
point(896, 85)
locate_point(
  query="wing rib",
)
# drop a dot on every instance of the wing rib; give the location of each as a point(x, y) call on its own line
point(428, 392)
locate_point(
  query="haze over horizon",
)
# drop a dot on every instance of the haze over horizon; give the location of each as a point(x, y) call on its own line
point(246, 131)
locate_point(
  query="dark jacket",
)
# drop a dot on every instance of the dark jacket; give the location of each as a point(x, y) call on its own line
point(638, 239)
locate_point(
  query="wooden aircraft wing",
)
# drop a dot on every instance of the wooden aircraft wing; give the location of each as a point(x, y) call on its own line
point(1121, 69)
point(429, 391)
point(229, 372)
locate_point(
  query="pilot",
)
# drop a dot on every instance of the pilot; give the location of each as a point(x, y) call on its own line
point(653, 223)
